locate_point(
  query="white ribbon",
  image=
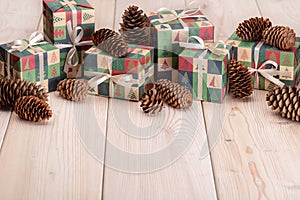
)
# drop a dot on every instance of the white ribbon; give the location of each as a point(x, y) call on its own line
point(75, 35)
point(21, 45)
point(74, 12)
point(186, 13)
point(267, 73)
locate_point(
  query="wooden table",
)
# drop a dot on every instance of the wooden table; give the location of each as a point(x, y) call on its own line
point(108, 149)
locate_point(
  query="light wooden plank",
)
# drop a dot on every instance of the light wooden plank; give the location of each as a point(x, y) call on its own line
point(146, 5)
point(284, 13)
point(58, 159)
point(4, 120)
point(156, 157)
point(257, 155)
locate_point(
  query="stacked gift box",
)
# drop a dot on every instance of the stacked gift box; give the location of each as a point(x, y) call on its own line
point(287, 60)
point(81, 15)
point(137, 66)
point(167, 34)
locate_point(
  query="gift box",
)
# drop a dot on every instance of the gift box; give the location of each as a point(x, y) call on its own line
point(56, 14)
point(40, 63)
point(168, 29)
point(255, 54)
point(205, 73)
point(125, 78)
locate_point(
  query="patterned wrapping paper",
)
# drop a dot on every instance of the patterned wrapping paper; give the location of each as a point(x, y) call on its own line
point(166, 38)
point(205, 73)
point(26, 65)
point(288, 61)
point(56, 15)
point(138, 62)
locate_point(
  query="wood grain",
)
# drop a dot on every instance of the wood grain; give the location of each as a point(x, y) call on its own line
point(141, 167)
point(4, 120)
point(55, 159)
point(257, 155)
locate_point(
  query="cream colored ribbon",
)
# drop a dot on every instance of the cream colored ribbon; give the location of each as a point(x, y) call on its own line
point(125, 80)
point(267, 73)
point(74, 11)
point(75, 35)
point(186, 13)
point(35, 38)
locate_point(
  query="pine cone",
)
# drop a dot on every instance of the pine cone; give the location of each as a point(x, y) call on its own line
point(240, 80)
point(152, 101)
point(174, 94)
point(135, 26)
point(11, 90)
point(111, 42)
point(280, 36)
point(73, 89)
point(32, 108)
point(252, 29)
point(285, 101)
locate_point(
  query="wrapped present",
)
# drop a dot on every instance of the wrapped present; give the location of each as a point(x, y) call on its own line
point(203, 70)
point(33, 60)
point(69, 25)
point(123, 78)
point(169, 28)
point(268, 64)
point(58, 12)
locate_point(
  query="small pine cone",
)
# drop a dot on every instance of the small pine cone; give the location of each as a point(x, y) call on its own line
point(285, 101)
point(152, 101)
point(111, 42)
point(11, 90)
point(240, 80)
point(135, 26)
point(280, 36)
point(174, 94)
point(252, 29)
point(31, 108)
point(73, 89)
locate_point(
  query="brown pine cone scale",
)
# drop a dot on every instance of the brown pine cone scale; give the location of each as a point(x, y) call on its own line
point(11, 90)
point(285, 101)
point(152, 101)
point(252, 29)
point(280, 36)
point(110, 41)
point(174, 94)
point(32, 108)
point(73, 89)
point(240, 80)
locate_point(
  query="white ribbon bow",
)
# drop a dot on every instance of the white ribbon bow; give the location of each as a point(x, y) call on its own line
point(186, 13)
point(267, 73)
point(75, 35)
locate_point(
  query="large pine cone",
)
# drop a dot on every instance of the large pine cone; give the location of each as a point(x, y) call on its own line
point(135, 26)
point(252, 29)
point(285, 101)
point(111, 42)
point(240, 80)
point(73, 89)
point(11, 90)
point(152, 101)
point(174, 94)
point(32, 108)
point(280, 36)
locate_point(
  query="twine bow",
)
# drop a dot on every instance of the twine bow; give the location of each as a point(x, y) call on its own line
point(267, 73)
point(186, 13)
point(35, 38)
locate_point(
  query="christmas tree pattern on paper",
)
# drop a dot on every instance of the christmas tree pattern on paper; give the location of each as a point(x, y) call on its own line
point(213, 82)
point(273, 57)
point(244, 56)
point(87, 16)
point(185, 79)
point(165, 65)
point(118, 92)
point(131, 65)
point(57, 19)
point(26, 67)
point(54, 72)
point(177, 38)
point(132, 95)
point(58, 33)
point(54, 58)
point(287, 61)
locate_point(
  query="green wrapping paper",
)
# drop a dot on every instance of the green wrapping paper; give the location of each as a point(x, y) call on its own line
point(288, 61)
point(205, 73)
point(137, 66)
point(41, 64)
point(166, 37)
